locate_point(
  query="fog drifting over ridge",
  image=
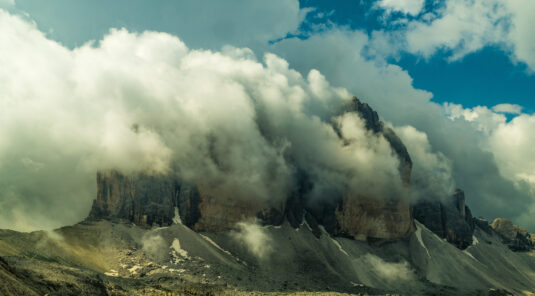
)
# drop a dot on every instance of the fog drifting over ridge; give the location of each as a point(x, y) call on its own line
point(487, 156)
point(146, 103)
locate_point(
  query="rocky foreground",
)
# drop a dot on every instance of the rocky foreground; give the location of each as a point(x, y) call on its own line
point(105, 258)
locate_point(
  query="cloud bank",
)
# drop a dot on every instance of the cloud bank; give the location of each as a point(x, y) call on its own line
point(146, 103)
point(343, 55)
point(114, 116)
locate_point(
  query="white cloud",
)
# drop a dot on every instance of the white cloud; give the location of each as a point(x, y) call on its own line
point(461, 27)
point(431, 176)
point(521, 31)
point(389, 271)
point(412, 7)
point(508, 108)
point(513, 145)
point(341, 55)
point(153, 81)
point(255, 238)
point(481, 117)
point(147, 103)
point(510, 143)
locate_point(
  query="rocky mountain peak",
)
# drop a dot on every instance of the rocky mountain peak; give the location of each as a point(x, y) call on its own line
point(147, 200)
point(373, 123)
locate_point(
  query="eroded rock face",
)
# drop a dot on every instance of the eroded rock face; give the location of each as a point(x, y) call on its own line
point(159, 200)
point(450, 219)
point(222, 213)
point(376, 217)
point(514, 236)
point(141, 199)
point(148, 200)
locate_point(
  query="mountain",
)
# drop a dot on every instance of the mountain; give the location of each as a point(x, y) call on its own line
point(158, 235)
point(151, 200)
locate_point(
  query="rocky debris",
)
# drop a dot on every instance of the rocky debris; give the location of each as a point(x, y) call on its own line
point(184, 262)
point(450, 219)
point(36, 277)
point(514, 236)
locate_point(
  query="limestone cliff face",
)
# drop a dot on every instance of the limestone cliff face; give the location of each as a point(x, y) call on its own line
point(144, 199)
point(219, 213)
point(153, 200)
point(364, 217)
point(514, 236)
point(159, 200)
point(450, 218)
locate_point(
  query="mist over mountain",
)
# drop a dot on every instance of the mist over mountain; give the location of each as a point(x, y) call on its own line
point(265, 148)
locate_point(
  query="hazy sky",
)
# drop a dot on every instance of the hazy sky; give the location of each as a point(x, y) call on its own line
point(455, 78)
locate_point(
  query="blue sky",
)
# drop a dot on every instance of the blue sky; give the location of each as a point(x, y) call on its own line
point(485, 77)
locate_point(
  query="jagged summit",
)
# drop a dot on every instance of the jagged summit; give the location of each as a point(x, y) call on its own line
point(373, 123)
point(148, 200)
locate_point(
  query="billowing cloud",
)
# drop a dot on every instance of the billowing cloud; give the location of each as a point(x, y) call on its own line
point(389, 271)
point(512, 144)
point(412, 7)
point(431, 176)
point(508, 108)
point(145, 102)
point(145, 96)
point(460, 27)
point(341, 55)
point(254, 238)
point(521, 35)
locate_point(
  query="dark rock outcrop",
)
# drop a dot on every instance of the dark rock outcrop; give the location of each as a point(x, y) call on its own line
point(144, 199)
point(514, 236)
point(484, 225)
point(148, 200)
point(450, 219)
